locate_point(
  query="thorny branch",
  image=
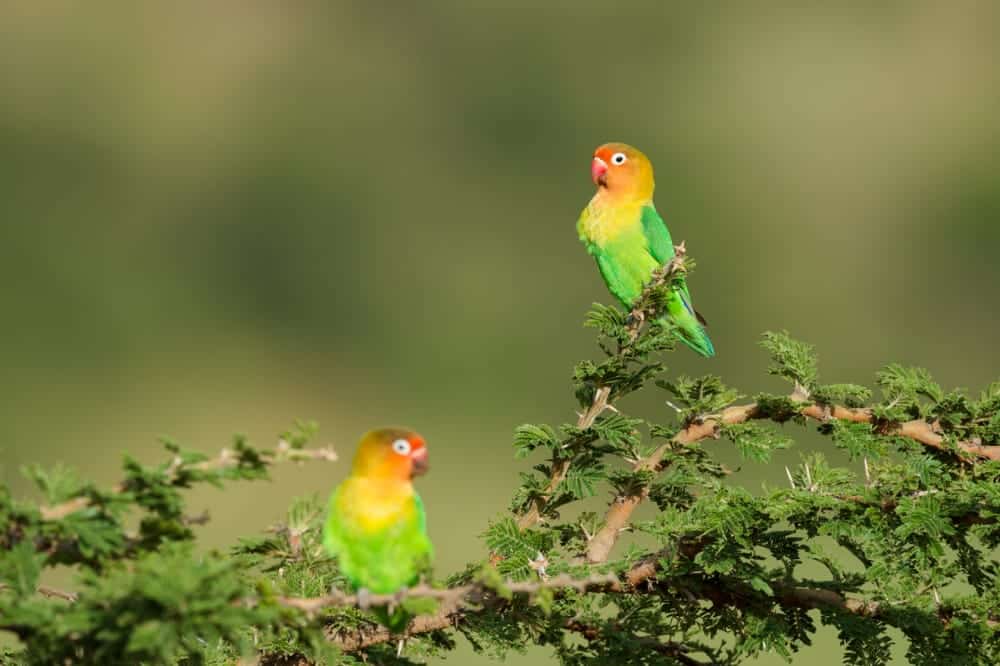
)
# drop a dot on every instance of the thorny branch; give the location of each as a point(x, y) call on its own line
point(456, 604)
point(617, 516)
point(460, 603)
point(561, 463)
point(622, 507)
point(452, 597)
point(227, 458)
point(50, 592)
point(678, 651)
point(637, 316)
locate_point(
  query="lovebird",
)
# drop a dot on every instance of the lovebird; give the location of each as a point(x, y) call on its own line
point(376, 527)
point(622, 230)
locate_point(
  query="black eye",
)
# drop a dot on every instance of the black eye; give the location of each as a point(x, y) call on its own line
point(618, 158)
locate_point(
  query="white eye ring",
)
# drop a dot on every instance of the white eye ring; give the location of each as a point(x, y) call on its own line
point(402, 447)
point(618, 158)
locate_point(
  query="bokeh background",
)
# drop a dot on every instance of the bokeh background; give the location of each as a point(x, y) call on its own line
point(219, 217)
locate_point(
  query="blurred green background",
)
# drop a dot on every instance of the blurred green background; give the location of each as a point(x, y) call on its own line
point(222, 216)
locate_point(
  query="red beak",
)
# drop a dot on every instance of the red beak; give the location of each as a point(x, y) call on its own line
point(599, 172)
point(419, 461)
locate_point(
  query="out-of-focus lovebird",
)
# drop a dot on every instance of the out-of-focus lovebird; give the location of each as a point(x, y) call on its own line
point(376, 526)
point(621, 228)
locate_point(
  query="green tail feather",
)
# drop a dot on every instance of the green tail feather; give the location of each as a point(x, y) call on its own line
point(698, 341)
point(693, 334)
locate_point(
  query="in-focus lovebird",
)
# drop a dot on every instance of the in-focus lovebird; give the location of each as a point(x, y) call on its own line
point(376, 527)
point(621, 228)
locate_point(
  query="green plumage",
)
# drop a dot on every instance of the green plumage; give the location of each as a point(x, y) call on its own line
point(380, 558)
point(629, 243)
point(378, 534)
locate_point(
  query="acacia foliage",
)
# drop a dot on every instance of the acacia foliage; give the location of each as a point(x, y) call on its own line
point(904, 536)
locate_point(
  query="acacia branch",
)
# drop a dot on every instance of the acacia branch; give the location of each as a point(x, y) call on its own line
point(918, 430)
point(50, 592)
point(679, 652)
point(644, 307)
point(561, 464)
point(455, 605)
point(617, 516)
point(810, 598)
point(452, 597)
point(734, 592)
point(461, 603)
point(226, 459)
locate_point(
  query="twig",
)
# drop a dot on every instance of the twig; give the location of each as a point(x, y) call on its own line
point(50, 592)
point(202, 518)
point(791, 479)
point(679, 652)
point(560, 466)
point(227, 458)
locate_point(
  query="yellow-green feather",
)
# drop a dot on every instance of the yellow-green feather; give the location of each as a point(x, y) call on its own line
point(377, 530)
point(629, 241)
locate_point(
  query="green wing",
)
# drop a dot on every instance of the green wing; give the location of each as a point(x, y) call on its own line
point(625, 261)
point(661, 246)
point(689, 322)
point(621, 277)
point(421, 515)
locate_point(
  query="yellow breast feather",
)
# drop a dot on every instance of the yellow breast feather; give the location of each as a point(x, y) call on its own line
point(601, 223)
point(374, 504)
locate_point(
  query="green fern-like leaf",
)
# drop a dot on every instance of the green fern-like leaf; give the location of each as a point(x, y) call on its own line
point(791, 359)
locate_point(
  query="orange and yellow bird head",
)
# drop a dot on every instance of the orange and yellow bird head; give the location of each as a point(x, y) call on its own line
point(622, 172)
point(391, 453)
